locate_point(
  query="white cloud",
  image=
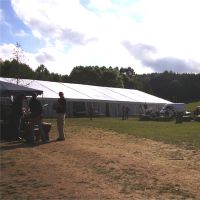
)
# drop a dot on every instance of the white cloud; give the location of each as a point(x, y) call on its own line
point(21, 33)
point(94, 34)
point(172, 26)
point(52, 19)
point(3, 20)
point(6, 51)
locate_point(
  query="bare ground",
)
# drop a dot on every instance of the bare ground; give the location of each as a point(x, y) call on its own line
point(97, 164)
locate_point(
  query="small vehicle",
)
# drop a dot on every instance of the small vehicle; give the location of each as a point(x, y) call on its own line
point(197, 114)
point(197, 110)
point(172, 109)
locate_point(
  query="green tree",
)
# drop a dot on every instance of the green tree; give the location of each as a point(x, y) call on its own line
point(65, 78)
point(175, 91)
point(111, 77)
point(42, 73)
point(128, 72)
point(94, 75)
point(55, 77)
point(130, 79)
point(9, 69)
point(85, 75)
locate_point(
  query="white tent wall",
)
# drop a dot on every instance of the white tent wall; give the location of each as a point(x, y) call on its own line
point(115, 109)
point(99, 108)
point(107, 101)
point(135, 109)
point(48, 110)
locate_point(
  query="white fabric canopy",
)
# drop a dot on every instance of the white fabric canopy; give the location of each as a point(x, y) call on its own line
point(80, 92)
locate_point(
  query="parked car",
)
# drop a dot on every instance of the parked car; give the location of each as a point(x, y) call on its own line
point(172, 109)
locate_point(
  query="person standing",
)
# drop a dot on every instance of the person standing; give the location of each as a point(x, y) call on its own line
point(61, 111)
point(91, 110)
point(126, 112)
point(36, 118)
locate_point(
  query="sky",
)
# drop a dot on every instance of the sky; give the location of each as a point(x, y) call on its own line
point(147, 35)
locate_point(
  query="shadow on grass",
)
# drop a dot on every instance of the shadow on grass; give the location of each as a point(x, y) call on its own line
point(9, 145)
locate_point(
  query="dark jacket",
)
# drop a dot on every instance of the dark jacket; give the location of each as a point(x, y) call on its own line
point(17, 106)
point(61, 107)
point(35, 107)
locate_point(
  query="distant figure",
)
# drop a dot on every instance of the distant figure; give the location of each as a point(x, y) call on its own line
point(61, 111)
point(36, 118)
point(126, 112)
point(145, 108)
point(123, 112)
point(91, 110)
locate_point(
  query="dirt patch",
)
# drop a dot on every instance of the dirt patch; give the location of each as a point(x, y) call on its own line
point(97, 164)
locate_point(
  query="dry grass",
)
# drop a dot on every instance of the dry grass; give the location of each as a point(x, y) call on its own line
point(97, 164)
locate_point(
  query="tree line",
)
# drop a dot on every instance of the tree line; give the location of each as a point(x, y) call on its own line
point(168, 85)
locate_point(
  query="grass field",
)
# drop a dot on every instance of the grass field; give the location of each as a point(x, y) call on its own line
point(105, 158)
point(191, 106)
point(186, 134)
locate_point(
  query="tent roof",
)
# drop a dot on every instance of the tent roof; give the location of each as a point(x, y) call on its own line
point(7, 88)
point(80, 92)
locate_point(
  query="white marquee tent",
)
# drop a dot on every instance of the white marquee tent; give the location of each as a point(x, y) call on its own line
point(106, 99)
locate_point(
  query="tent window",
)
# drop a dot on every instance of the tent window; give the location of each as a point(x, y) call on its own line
point(79, 109)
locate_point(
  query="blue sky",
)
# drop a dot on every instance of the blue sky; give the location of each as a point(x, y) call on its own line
point(14, 30)
point(148, 35)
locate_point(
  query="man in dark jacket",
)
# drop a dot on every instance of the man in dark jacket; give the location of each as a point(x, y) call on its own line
point(36, 117)
point(61, 111)
point(35, 106)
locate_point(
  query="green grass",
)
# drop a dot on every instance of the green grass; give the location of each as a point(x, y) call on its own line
point(186, 134)
point(191, 106)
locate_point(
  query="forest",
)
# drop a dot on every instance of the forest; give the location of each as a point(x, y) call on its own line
point(168, 85)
